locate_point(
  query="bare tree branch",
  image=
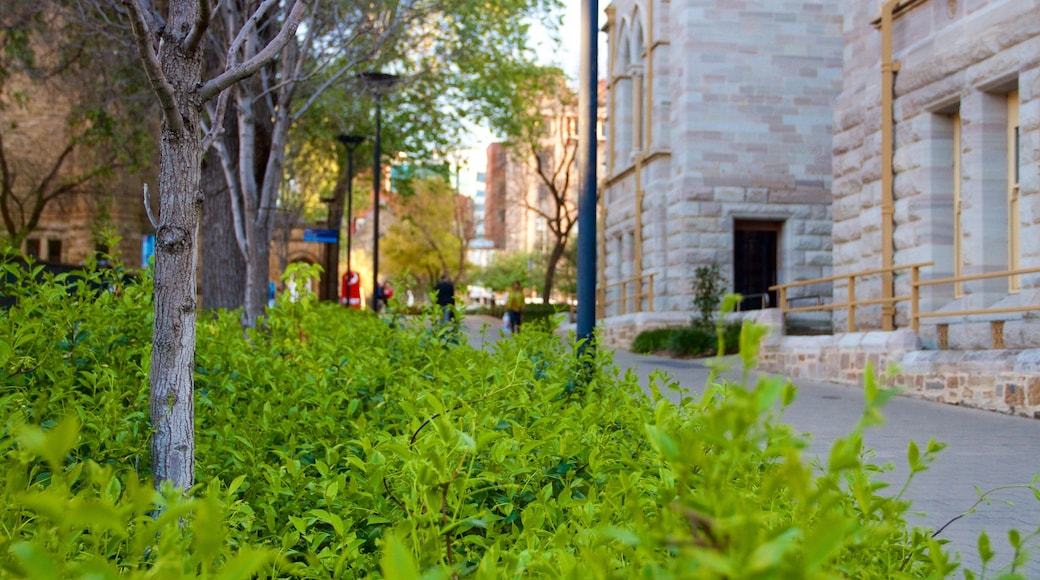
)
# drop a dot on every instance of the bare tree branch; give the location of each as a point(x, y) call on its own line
point(148, 209)
point(237, 72)
point(163, 91)
point(198, 29)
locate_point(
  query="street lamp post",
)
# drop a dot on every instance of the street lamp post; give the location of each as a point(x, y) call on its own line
point(378, 84)
point(587, 101)
point(350, 142)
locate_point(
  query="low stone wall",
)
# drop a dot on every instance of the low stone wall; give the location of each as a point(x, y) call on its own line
point(620, 331)
point(1007, 381)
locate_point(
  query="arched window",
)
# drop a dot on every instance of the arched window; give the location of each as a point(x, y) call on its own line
point(622, 112)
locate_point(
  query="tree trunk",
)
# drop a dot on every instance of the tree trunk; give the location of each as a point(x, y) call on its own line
point(550, 268)
point(173, 350)
point(223, 268)
point(258, 272)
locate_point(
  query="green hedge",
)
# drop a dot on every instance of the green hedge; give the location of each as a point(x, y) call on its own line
point(338, 444)
point(687, 341)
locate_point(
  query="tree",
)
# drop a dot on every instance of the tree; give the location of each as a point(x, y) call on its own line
point(432, 233)
point(71, 112)
point(544, 141)
point(440, 63)
point(170, 45)
point(507, 268)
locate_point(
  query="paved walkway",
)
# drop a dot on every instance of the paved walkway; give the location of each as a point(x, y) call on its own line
point(984, 450)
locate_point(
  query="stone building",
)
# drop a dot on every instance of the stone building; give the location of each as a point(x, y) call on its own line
point(42, 146)
point(937, 163)
point(926, 118)
point(719, 150)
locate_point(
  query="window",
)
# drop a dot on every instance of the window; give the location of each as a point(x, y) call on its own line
point(958, 255)
point(54, 250)
point(32, 248)
point(1014, 249)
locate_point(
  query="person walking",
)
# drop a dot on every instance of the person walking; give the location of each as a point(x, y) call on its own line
point(515, 307)
point(445, 298)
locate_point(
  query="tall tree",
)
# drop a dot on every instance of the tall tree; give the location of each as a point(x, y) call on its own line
point(170, 44)
point(71, 112)
point(544, 143)
point(432, 233)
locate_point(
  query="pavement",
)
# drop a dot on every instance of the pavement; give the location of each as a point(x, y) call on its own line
point(984, 450)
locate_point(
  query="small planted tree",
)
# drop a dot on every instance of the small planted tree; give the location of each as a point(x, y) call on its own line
point(708, 288)
point(170, 45)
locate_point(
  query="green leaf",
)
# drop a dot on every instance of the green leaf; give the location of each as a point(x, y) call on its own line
point(235, 484)
point(246, 564)
point(771, 554)
point(986, 553)
point(913, 456)
point(825, 537)
point(397, 562)
point(34, 560)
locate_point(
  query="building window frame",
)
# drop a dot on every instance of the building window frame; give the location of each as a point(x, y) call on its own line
point(958, 228)
point(1013, 197)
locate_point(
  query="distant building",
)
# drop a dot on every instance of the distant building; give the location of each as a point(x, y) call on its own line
point(519, 202)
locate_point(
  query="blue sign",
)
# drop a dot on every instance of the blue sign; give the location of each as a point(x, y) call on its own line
point(147, 251)
point(321, 236)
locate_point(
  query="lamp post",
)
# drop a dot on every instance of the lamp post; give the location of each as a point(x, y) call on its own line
point(378, 84)
point(587, 100)
point(350, 142)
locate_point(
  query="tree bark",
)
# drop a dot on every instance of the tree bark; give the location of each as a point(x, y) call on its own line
point(223, 267)
point(173, 350)
point(258, 272)
point(550, 268)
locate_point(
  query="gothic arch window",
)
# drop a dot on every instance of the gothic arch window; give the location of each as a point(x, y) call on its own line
point(636, 73)
point(623, 98)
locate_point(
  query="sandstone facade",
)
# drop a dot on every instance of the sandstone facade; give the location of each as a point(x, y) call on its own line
point(967, 128)
point(720, 126)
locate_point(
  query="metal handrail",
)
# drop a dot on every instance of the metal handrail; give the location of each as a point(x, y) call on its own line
point(914, 297)
point(916, 317)
point(638, 296)
point(851, 304)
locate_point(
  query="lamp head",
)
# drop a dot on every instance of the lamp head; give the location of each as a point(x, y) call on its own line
point(378, 83)
point(350, 141)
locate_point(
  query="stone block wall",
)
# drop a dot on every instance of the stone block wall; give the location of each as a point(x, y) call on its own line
point(957, 60)
point(1006, 381)
point(747, 91)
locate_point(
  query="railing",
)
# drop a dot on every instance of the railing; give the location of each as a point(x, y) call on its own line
point(914, 298)
point(916, 316)
point(852, 304)
point(644, 289)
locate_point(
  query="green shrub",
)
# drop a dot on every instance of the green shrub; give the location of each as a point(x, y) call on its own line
point(709, 286)
point(731, 337)
point(339, 444)
point(651, 341)
point(534, 312)
point(691, 341)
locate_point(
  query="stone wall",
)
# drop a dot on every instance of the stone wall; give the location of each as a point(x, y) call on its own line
point(724, 114)
point(1007, 381)
point(958, 62)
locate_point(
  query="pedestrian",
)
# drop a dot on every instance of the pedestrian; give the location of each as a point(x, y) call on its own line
point(515, 307)
point(386, 292)
point(446, 298)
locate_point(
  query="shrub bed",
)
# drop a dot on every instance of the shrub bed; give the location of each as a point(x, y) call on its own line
point(338, 444)
point(687, 341)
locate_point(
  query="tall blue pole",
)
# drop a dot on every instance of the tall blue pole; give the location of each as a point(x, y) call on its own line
point(587, 101)
point(375, 211)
